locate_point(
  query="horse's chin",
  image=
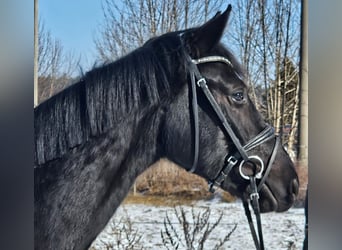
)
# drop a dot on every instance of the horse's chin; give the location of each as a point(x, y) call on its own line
point(269, 203)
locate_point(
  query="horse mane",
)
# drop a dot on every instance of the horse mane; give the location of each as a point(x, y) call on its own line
point(107, 94)
point(97, 102)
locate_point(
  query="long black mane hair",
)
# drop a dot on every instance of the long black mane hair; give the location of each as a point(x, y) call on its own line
point(99, 100)
point(106, 94)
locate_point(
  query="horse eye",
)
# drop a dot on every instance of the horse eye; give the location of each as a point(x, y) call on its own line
point(238, 96)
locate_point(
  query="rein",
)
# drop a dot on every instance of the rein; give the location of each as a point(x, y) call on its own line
point(241, 155)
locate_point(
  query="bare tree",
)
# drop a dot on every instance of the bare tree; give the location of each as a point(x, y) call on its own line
point(55, 66)
point(124, 236)
point(192, 231)
point(128, 24)
point(284, 112)
point(244, 35)
point(266, 36)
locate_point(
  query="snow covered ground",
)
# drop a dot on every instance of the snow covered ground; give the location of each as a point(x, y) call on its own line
point(144, 224)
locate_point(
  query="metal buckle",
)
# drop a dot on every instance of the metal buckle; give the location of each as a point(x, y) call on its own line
point(201, 81)
point(232, 160)
point(254, 195)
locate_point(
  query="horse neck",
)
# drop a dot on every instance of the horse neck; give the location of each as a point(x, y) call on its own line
point(139, 143)
point(92, 181)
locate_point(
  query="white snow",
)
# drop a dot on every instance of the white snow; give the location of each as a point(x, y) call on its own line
point(281, 230)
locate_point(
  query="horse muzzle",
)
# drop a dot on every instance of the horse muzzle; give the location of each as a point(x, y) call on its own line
point(271, 201)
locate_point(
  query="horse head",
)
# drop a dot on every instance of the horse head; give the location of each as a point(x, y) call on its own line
point(199, 49)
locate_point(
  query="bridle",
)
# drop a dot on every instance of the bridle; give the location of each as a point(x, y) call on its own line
point(241, 155)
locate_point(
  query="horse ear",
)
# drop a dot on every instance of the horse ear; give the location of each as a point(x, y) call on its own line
point(205, 37)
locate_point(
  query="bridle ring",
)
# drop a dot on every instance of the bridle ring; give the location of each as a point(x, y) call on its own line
point(251, 158)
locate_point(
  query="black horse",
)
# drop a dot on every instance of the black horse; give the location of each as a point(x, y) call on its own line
point(94, 138)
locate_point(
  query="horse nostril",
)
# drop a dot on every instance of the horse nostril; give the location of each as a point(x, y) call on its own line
point(295, 186)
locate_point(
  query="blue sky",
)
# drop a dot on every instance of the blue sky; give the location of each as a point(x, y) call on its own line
point(74, 23)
